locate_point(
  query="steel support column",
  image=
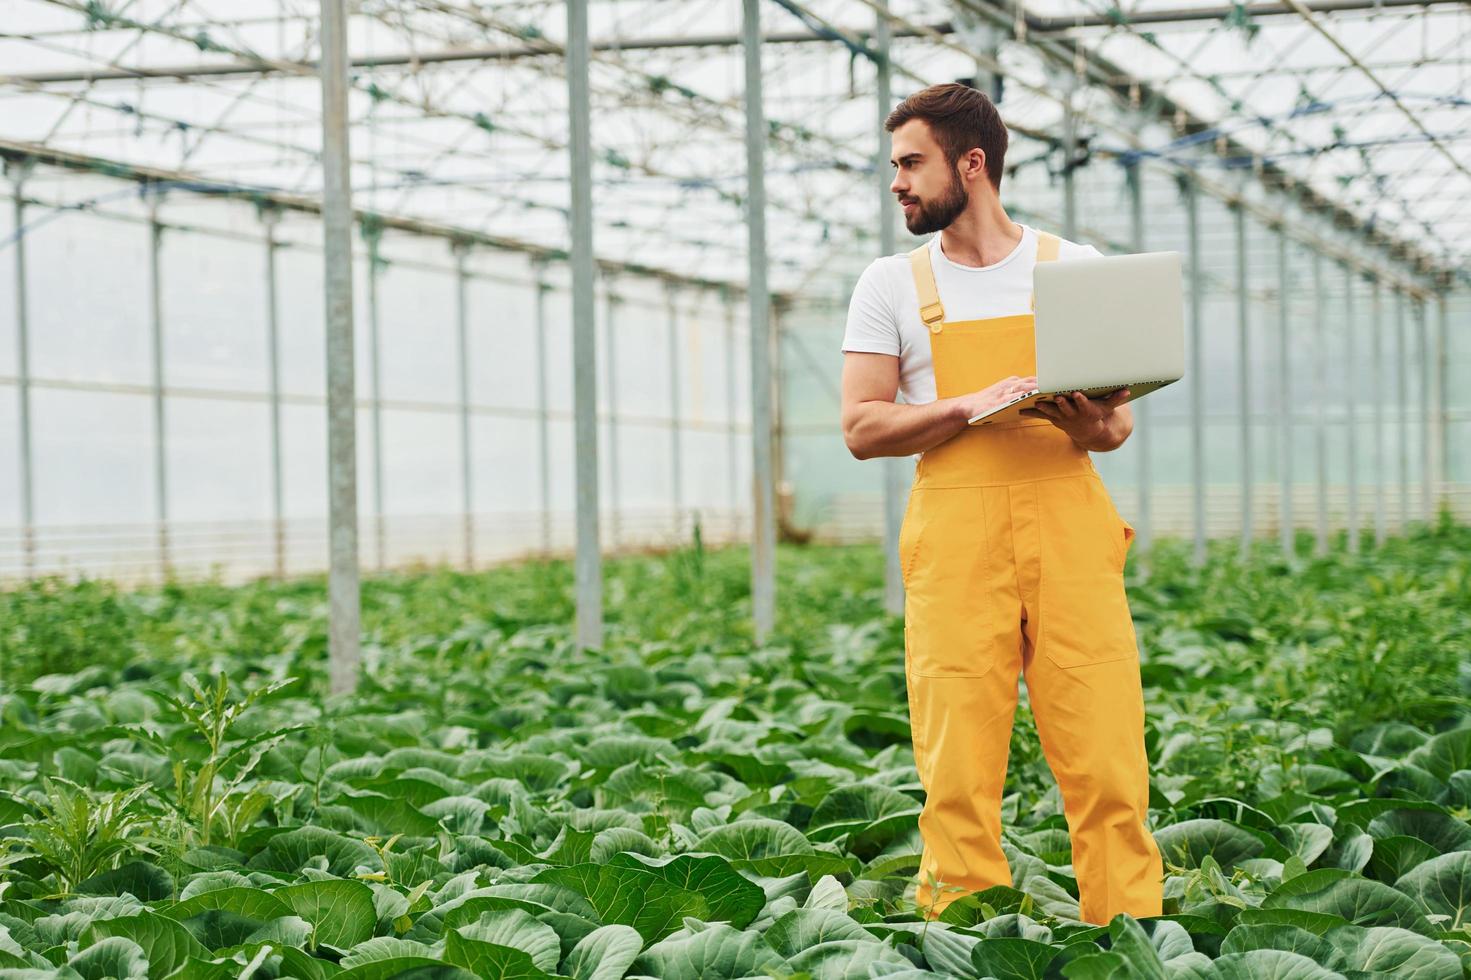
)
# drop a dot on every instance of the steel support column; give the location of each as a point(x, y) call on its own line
point(895, 491)
point(1197, 367)
point(373, 232)
point(1402, 399)
point(676, 448)
point(25, 475)
point(1351, 396)
point(1134, 178)
point(1243, 383)
point(342, 474)
point(270, 218)
point(1286, 531)
point(763, 525)
point(1320, 394)
point(1427, 451)
point(156, 384)
point(543, 419)
point(610, 382)
point(589, 565)
point(1376, 325)
point(462, 354)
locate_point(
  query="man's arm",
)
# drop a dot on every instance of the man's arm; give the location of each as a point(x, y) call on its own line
point(875, 425)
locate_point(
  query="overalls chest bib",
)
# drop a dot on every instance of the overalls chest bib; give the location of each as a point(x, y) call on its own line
point(969, 355)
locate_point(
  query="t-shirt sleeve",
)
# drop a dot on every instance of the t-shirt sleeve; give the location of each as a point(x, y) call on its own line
point(872, 324)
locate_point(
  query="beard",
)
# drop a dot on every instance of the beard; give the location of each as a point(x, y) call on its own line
point(938, 214)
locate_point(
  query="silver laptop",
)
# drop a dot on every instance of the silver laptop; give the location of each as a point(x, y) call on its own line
point(1104, 323)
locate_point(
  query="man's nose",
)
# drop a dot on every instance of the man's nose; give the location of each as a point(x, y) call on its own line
point(898, 185)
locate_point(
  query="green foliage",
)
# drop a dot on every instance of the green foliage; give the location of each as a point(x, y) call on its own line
point(77, 834)
point(683, 803)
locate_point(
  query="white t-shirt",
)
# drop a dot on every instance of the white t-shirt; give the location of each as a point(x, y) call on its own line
point(883, 315)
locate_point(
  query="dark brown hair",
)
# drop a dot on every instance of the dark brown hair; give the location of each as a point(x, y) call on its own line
point(961, 119)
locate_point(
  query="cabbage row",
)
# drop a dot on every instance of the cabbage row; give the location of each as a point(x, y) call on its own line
point(178, 797)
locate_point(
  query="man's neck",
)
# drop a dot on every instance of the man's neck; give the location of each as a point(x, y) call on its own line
point(978, 238)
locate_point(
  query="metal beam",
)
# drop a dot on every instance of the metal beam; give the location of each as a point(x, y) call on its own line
point(763, 528)
point(1034, 24)
point(19, 151)
point(589, 563)
point(342, 470)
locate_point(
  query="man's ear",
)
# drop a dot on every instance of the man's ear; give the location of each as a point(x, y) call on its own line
point(976, 156)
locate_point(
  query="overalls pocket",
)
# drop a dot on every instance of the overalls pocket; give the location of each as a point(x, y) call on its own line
point(1083, 608)
point(947, 619)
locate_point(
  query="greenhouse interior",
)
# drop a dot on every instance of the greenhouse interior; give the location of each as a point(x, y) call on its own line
point(453, 557)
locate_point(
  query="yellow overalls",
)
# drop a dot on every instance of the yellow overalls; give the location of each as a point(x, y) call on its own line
point(1012, 556)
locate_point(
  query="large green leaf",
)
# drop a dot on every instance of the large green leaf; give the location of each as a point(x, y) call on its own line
point(145, 882)
point(729, 895)
point(250, 903)
point(716, 953)
point(1270, 964)
point(801, 928)
point(1393, 952)
point(606, 953)
point(1358, 900)
point(341, 912)
point(1189, 841)
point(1294, 939)
point(1441, 886)
point(489, 960)
point(296, 849)
point(629, 896)
point(113, 958)
point(165, 943)
point(1441, 831)
point(1008, 958)
point(518, 930)
point(839, 959)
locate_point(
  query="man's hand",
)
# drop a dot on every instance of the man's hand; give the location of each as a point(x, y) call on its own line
point(1091, 422)
point(1003, 391)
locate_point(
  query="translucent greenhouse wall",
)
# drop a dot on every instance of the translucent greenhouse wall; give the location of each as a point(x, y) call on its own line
point(674, 441)
point(839, 498)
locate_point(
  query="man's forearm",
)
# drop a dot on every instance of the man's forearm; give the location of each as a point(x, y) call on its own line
point(898, 429)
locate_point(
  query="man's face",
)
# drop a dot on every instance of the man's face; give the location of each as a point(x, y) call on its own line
point(929, 188)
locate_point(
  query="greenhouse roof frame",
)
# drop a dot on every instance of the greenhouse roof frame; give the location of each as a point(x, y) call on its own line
point(1352, 140)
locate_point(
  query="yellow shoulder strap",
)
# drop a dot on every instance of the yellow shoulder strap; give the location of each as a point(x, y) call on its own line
point(1047, 248)
point(930, 310)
